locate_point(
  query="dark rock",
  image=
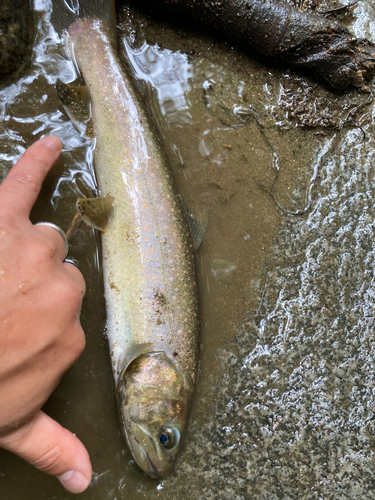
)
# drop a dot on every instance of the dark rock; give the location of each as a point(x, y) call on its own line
point(16, 35)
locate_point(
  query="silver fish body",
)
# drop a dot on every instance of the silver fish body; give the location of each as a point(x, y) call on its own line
point(148, 261)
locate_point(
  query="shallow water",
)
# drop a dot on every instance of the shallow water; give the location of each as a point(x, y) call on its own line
point(282, 169)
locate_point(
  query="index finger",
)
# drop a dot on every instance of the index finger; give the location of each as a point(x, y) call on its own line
point(21, 187)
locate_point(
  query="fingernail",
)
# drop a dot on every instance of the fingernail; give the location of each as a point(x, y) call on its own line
point(74, 481)
point(52, 142)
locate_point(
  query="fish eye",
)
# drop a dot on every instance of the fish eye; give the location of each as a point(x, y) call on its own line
point(169, 437)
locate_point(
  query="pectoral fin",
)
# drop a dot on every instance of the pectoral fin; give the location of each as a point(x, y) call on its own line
point(95, 212)
point(76, 101)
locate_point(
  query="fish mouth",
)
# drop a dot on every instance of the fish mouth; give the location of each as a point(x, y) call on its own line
point(150, 470)
point(153, 472)
point(144, 460)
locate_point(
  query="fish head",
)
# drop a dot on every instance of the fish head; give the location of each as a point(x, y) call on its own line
point(154, 397)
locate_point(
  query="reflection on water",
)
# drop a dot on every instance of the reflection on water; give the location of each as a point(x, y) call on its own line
point(169, 74)
point(284, 404)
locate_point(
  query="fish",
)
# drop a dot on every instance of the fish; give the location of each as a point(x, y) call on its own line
point(148, 255)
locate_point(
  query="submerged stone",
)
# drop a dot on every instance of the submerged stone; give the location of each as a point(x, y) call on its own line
point(16, 35)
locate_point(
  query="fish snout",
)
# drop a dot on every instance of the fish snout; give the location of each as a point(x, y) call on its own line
point(160, 468)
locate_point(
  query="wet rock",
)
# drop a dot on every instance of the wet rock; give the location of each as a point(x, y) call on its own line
point(16, 35)
point(297, 37)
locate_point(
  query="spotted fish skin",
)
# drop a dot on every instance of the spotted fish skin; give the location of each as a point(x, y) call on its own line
point(148, 258)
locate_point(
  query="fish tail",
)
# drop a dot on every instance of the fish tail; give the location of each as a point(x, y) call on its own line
point(67, 12)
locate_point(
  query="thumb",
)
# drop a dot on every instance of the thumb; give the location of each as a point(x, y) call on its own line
point(49, 447)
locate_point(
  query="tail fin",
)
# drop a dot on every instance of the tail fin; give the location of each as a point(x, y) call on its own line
point(66, 12)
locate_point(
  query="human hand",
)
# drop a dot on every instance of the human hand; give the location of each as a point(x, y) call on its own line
point(40, 331)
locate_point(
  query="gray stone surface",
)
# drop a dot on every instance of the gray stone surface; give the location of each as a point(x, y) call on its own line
point(295, 418)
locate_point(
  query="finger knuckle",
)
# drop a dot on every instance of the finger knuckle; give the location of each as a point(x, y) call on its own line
point(43, 250)
point(40, 163)
point(71, 295)
point(79, 343)
point(77, 276)
point(33, 184)
point(75, 344)
point(49, 460)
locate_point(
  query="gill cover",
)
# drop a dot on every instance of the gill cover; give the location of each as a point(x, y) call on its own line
point(154, 398)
